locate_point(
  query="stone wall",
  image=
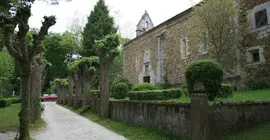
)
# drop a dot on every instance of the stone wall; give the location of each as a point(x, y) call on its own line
point(225, 118)
point(175, 118)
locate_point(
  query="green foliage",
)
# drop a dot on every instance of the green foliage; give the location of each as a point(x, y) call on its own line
point(99, 25)
point(165, 94)
point(59, 49)
point(143, 87)
point(84, 109)
point(120, 91)
point(257, 84)
point(59, 83)
point(15, 100)
point(121, 79)
point(91, 62)
point(107, 48)
point(95, 93)
point(7, 73)
point(226, 91)
point(208, 73)
point(5, 103)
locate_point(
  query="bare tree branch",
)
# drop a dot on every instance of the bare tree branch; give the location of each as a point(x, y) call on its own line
point(8, 24)
point(46, 24)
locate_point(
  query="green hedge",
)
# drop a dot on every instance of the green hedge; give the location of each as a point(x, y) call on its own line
point(257, 84)
point(15, 100)
point(143, 87)
point(120, 91)
point(208, 73)
point(95, 93)
point(155, 94)
point(5, 103)
point(226, 91)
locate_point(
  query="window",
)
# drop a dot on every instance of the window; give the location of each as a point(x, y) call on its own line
point(137, 64)
point(146, 57)
point(255, 55)
point(146, 68)
point(146, 79)
point(261, 18)
point(204, 42)
point(184, 48)
point(261, 15)
point(146, 24)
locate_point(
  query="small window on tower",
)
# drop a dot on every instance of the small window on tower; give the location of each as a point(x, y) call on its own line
point(146, 24)
point(261, 18)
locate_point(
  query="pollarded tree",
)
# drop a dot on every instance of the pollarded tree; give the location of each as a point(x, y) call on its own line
point(81, 72)
point(100, 24)
point(106, 49)
point(215, 23)
point(16, 44)
point(60, 85)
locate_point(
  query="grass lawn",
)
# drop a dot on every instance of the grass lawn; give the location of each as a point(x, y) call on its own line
point(9, 119)
point(261, 132)
point(237, 96)
point(132, 132)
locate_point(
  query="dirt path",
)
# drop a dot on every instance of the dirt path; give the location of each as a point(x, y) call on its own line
point(63, 124)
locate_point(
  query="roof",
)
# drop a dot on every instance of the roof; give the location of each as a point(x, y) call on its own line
point(143, 16)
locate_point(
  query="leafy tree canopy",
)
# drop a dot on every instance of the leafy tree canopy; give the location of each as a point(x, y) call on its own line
point(91, 62)
point(100, 24)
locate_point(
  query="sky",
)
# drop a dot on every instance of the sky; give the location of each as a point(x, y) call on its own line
point(126, 13)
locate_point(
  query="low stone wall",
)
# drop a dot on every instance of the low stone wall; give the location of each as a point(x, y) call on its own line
point(175, 118)
point(225, 118)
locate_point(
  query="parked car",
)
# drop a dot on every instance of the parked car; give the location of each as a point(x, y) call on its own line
point(47, 97)
point(53, 97)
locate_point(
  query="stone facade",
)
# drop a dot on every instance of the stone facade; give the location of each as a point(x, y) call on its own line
point(168, 50)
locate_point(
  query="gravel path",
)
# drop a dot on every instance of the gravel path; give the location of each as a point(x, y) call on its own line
point(63, 124)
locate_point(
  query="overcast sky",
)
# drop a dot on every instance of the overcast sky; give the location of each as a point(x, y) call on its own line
point(127, 13)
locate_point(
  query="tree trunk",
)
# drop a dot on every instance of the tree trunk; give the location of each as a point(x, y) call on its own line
point(70, 91)
point(36, 87)
point(24, 113)
point(87, 78)
point(78, 91)
point(104, 90)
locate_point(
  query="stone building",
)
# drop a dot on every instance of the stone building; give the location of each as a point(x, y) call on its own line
point(160, 54)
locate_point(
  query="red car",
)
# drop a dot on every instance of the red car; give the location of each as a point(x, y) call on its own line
point(47, 97)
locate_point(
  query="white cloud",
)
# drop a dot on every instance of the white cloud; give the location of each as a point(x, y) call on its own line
point(127, 13)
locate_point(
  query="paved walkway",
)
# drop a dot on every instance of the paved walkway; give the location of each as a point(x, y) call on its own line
point(63, 124)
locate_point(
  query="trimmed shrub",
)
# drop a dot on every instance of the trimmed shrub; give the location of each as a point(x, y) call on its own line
point(257, 84)
point(15, 100)
point(121, 79)
point(5, 103)
point(120, 91)
point(155, 94)
point(226, 91)
point(208, 73)
point(143, 87)
point(95, 93)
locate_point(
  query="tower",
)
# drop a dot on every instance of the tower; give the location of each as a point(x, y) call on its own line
point(144, 24)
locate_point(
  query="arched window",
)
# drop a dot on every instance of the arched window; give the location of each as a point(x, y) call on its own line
point(146, 24)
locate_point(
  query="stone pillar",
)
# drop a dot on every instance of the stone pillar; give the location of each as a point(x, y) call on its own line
point(199, 113)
